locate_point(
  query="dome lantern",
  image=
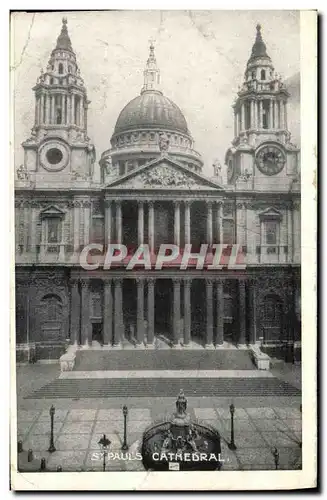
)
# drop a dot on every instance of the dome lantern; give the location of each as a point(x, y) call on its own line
point(151, 72)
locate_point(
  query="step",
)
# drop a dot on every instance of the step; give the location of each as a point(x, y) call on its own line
point(163, 387)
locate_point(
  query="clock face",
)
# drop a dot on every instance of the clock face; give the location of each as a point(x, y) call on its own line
point(54, 156)
point(270, 160)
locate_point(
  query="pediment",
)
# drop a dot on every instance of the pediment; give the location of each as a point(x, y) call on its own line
point(52, 211)
point(270, 212)
point(164, 173)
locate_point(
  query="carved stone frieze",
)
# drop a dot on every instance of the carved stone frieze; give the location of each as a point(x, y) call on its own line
point(164, 176)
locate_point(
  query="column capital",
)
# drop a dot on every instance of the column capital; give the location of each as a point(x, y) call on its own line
point(209, 203)
point(219, 203)
point(177, 203)
point(209, 281)
point(176, 281)
point(188, 203)
point(140, 203)
point(150, 281)
point(150, 203)
point(219, 281)
point(187, 282)
point(107, 281)
point(108, 203)
point(118, 281)
point(84, 283)
point(139, 281)
point(73, 281)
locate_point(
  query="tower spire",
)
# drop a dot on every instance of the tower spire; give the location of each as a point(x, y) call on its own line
point(151, 72)
point(63, 40)
point(259, 47)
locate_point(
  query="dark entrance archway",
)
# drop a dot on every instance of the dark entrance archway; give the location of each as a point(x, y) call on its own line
point(198, 311)
point(163, 309)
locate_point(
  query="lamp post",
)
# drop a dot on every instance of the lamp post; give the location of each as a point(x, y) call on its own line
point(232, 445)
point(276, 458)
point(125, 413)
point(52, 448)
point(104, 444)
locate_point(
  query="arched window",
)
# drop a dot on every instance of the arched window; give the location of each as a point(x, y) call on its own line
point(263, 74)
point(60, 69)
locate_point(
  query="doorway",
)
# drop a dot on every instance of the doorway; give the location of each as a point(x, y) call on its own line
point(97, 333)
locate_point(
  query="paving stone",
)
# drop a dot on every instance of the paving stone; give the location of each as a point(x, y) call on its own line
point(60, 415)
point(72, 442)
point(77, 427)
point(81, 415)
point(38, 442)
point(240, 413)
point(249, 440)
point(23, 428)
point(27, 415)
point(269, 425)
point(139, 414)
point(111, 415)
point(255, 456)
point(261, 412)
point(288, 413)
point(290, 458)
point(205, 413)
point(294, 425)
point(277, 439)
point(239, 425)
point(69, 460)
point(44, 428)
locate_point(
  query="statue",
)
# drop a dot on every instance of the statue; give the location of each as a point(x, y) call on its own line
point(181, 403)
point(216, 168)
point(163, 142)
point(22, 173)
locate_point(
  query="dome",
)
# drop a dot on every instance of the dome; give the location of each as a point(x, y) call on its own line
point(151, 109)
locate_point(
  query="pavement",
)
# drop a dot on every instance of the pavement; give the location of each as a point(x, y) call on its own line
point(261, 423)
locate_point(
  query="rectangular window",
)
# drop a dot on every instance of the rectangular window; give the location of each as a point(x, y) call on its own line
point(271, 232)
point(54, 225)
point(228, 231)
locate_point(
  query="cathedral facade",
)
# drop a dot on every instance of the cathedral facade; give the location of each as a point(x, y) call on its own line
point(151, 191)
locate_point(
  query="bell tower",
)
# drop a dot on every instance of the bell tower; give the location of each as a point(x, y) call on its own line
point(59, 151)
point(261, 147)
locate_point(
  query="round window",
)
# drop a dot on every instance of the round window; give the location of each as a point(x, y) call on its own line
point(54, 156)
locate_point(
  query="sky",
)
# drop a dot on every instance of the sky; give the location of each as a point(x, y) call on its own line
point(202, 57)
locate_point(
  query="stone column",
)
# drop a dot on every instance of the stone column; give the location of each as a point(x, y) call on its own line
point(176, 310)
point(255, 114)
point(47, 109)
point(271, 124)
point(289, 234)
point(140, 222)
point(119, 221)
point(297, 231)
point(108, 216)
point(69, 109)
point(260, 114)
point(285, 115)
point(43, 239)
point(187, 222)
point(140, 311)
point(220, 313)
point(252, 312)
point(209, 222)
point(281, 114)
point(53, 120)
point(221, 228)
point(42, 109)
point(76, 226)
point(235, 125)
point(187, 311)
point(85, 116)
point(26, 226)
point(86, 332)
point(242, 309)
point(75, 312)
point(242, 117)
point(276, 124)
point(87, 215)
point(107, 312)
point(150, 333)
point(241, 223)
point(33, 229)
point(73, 109)
point(177, 228)
point(81, 113)
point(209, 330)
point(119, 321)
point(36, 117)
point(151, 226)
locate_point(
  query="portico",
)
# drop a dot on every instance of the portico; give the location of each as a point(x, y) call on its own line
point(178, 309)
